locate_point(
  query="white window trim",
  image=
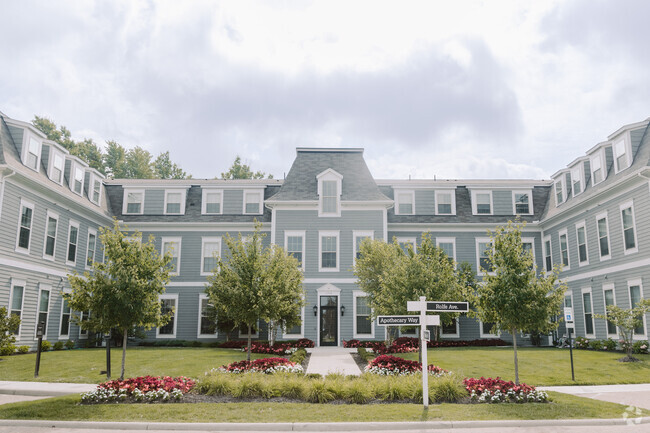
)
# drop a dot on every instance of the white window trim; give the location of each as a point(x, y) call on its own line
point(600, 156)
point(25, 204)
point(260, 203)
point(447, 241)
point(25, 151)
point(203, 296)
point(173, 296)
point(478, 255)
point(629, 204)
point(296, 233)
point(582, 224)
point(324, 233)
point(356, 234)
point(530, 201)
point(611, 287)
point(49, 214)
point(302, 327)
point(91, 232)
point(204, 201)
point(484, 335)
point(455, 334)
point(42, 288)
point(74, 165)
point(628, 154)
point(410, 193)
point(527, 240)
point(360, 294)
point(64, 336)
point(452, 193)
point(609, 244)
point(580, 171)
point(562, 181)
point(331, 175)
point(584, 316)
point(23, 284)
point(564, 232)
point(549, 253)
point(205, 240)
point(177, 240)
point(255, 334)
point(475, 203)
point(127, 191)
point(50, 167)
point(91, 188)
point(79, 329)
point(408, 240)
point(183, 193)
point(637, 282)
point(72, 223)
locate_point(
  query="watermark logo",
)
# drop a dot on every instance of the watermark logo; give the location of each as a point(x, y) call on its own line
point(632, 415)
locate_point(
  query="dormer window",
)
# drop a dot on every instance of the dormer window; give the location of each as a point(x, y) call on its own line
point(621, 155)
point(56, 169)
point(173, 202)
point(252, 202)
point(329, 193)
point(77, 181)
point(523, 202)
point(33, 153)
point(559, 192)
point(95, 185)
point(445, 203)
point(482, 202)
point(405, 203)
point(576, 180)
point(133, 202)
point(597, 172)
point(211, 202)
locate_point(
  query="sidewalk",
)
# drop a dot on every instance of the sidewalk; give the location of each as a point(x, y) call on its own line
point(325, 360)
point(631, 395)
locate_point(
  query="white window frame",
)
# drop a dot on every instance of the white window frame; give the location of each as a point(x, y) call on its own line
point(455, 334)
point(577, 171)
point(479, 241)
point(204, 240)
point(72, 223)
point(321, 235)
point(91, 189)
point(94, 233)
point(177, 240)
point(629, 204)
point(29, 205)
point(26, 151)
point(600, 157)
point(483, 334)
point(65, 336)
point(607, 287)
point(183, 193)
point(604, 216)
point(627, 153)
point(562, 182)
point(452, 194)
point(408, 240)
point(42, 288)
point(360, 294)
point(125, 202)
point(285, 334)
point(475, 201)
point(83, 333)
point(547, 239)
point(582, 225)
point(440, 240)
point(637, 282)
point(23, 284)
point(529, 240)
point(255, 334)
point(359, 234)
point(405, 193)
point(330, 175)
point(204, 201)
point(76, 168)
point(565, 233)
point(203, 296)
point(54, 153)
point(260, 194)
point(584, 313)
point(530, 201)
point(296, 233)
point(162, 297)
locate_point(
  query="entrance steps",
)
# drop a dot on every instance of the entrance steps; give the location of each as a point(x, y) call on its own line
point(326, 360)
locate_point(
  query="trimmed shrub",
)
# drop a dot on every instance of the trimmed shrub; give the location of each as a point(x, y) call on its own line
point(640, 347)
point(69, 344)
point(318, 392)
point(23, 349)
point(446, 389)
point(581, 343)
point(298, 356)
point(609, 344)
point(596, 345)
point(58, 345)
point(45, 345)
point(357, 392)
point(364, 354)
point(7, 349)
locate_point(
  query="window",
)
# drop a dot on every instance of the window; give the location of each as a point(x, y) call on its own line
point(359, 237)
point(636, 294)
point(90, 251)
point(172, 246)
point(255, 331)
point(621, 156)
point(482, 247)
point(211, 202)
point(77, 179)
point(488, 330)
point(56, 168)
point(597, 172)
point(576, 180)
point(629, 236)
point(207, 318)
point(588, 312)
point(451, 330)
point(16, 302)
point(330, 197)
point(482, 202)
point(603, 236)
point(528, 247)
point(64, 327)
point(405, 202)
point(133, 202)
point(581, 236)
point(96, 191)
point(610, 299)
point(329, 246)
point(559, 192)
point(73, 238)
point(294, 242)
point(445, 203)
point(523, 202)
point(548, 259)
point(168, 304)
point(33, 153)
point(43, 309)
point(362, 324)
point(564, 249)
point(296, 331)
point(448, 245)
point(83, 333)
point(252, 202)
point(173, 202)
point(25, 226)
point(407, 244)
point(210, 251)
point(329, 193)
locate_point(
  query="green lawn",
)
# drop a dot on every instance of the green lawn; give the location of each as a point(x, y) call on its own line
point(84, 365)
point(67, 408)
point(540, 366)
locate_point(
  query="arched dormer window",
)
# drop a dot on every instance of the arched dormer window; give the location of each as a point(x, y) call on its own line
point(329, 193)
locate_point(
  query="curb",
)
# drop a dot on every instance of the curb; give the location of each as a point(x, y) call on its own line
point(306, 427)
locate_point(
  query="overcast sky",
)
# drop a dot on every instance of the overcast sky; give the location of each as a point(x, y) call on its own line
point(452, 89)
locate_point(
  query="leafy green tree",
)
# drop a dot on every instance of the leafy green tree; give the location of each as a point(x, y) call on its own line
point(115, 160)
point(9, 324)
point(91, 153)
point(242, 171)
point(627, 320)
point(123, 291)
point(138, 164)
point(164, 168)
point(512, 295)
point(255, 283)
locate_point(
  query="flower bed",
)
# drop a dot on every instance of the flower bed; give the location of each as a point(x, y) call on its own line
point(146, 388)
point(491, 390)
point(410, 344)
point(264, 365)
point(279, 348)
point(387, 365)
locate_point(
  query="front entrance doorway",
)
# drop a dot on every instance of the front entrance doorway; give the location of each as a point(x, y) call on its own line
point(329, 320)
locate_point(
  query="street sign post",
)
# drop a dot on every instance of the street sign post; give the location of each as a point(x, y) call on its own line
point(568, 319)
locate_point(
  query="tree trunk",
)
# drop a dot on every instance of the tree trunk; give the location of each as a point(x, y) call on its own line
point(271, 333)
point(248, 354)
point(514, 344)
point(124, 337)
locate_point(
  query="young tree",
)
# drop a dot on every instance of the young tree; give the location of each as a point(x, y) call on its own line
point(9, 324)
point(115, 160)
point(512, 295)
point(256, 283)
point(123, 291)
point(138, 164)
point(627, 320)
point(242, 171)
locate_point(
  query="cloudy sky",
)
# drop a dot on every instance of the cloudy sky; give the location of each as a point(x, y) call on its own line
point(452, 89)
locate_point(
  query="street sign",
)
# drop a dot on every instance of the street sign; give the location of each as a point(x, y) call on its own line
point(415, 306)
point(568, 315)
point(398, 320)
point(448, 307)
point(432, 320)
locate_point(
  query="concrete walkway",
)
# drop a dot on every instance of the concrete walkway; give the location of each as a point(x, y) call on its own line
point(14, 391)
point(325, 360)
point(637, 395)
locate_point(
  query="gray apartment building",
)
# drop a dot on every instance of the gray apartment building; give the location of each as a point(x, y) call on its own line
point(593, 217)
